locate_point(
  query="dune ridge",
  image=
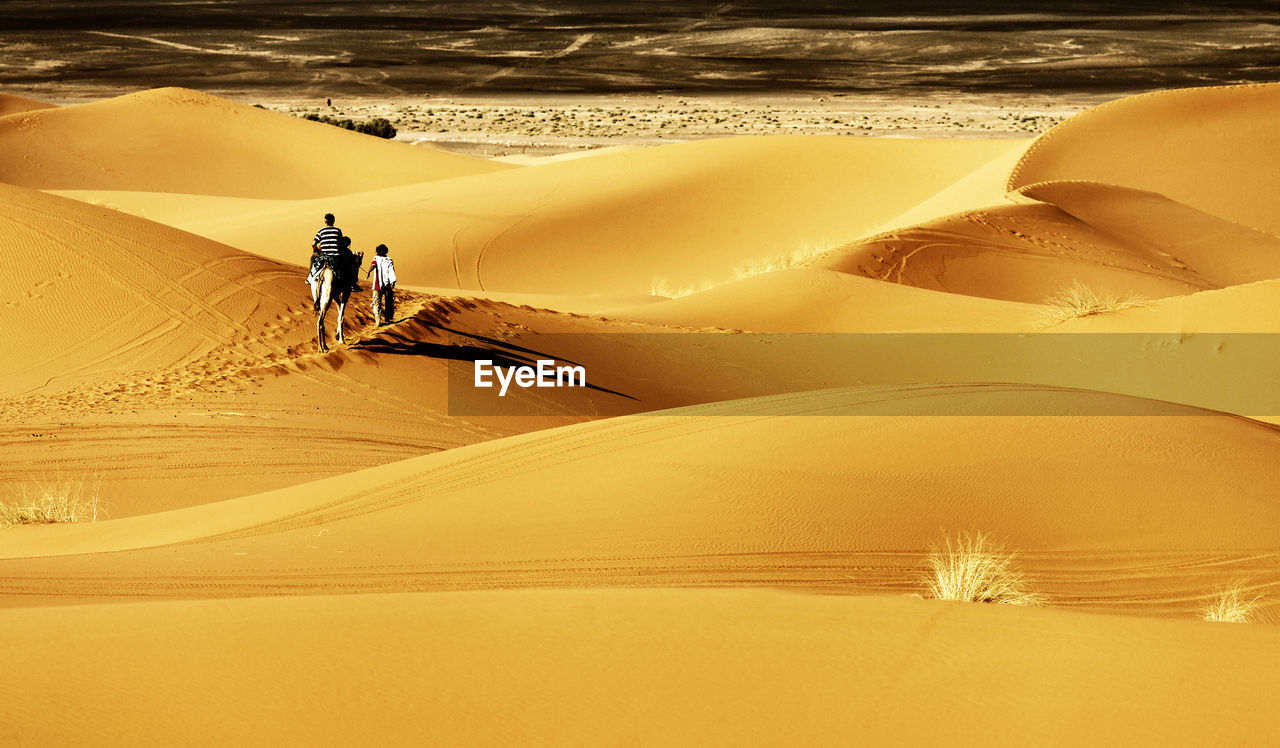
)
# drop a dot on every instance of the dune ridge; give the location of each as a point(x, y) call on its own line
point(1200, 147)
point(147, 142)
point(14, 104)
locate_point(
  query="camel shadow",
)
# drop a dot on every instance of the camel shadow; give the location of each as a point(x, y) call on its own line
point(501, 354)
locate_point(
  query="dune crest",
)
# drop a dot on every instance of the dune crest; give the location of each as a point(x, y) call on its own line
point(14, 104)
point(1209, 148)
point(177, 140)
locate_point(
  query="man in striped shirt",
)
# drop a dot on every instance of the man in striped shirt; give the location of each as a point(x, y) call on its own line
point(328, 238)
point(328, 241)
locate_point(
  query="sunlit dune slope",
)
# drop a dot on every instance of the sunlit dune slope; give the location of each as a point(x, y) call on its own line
point(1210, 148)
point(662, 667)
point(14, 104)
point(176, 140)
point(983, 187)
point(1114, 240)
point(91, 292)
point(674, 216)
point(180, 208)
point(805, 300)
point(1239, 310)
point(816, 490)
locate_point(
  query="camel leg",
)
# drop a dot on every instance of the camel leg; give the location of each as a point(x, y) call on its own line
point(326, 286)
point(342, 310)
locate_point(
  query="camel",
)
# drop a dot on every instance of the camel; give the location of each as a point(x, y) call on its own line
point(322, 290)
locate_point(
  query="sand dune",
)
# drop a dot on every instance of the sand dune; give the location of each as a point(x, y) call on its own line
point(120, 295)
point(720, 539)
point(698, 501)
point(605, 667)
point(1024, 253)
point(804, 300)
point(1218, 251)
point(158, 332)
point(146, 339)
point(817, 483)
point(1250, 308)
point(669, 217)
point(1203, 147)
point(1116, 241)
point(983, 187)
point(175, 140)
point(14, 104)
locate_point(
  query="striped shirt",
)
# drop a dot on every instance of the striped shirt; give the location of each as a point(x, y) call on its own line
point(327, 239)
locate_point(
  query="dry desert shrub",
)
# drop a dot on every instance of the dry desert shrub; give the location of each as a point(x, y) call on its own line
point(1078, 300)
point(801, 254)
point(58, 500)
point(1230, 605)
point(973, 569)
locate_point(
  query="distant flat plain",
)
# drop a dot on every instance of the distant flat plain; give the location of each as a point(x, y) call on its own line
point(501, 76)
point(456, 47)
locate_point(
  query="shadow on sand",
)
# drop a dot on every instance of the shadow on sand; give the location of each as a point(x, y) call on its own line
point(500, 352)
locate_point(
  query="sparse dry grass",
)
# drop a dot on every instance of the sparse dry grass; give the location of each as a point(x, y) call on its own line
point(803, 253)
point(1230, 604)
point(972, 568)
point(58, 500)
point(1078, 300)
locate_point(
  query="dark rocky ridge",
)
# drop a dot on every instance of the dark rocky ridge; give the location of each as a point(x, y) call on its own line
point(414, 48)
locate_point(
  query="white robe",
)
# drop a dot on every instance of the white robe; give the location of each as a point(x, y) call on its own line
point(384, 272)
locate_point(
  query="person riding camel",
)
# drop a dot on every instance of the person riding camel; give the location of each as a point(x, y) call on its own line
point(326, 246)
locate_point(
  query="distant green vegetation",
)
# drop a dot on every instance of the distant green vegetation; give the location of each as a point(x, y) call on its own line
point(378, 126)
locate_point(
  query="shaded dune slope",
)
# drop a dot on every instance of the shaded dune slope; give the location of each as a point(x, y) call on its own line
point(1116, 241)
point(1220, 252)
point(176, 140)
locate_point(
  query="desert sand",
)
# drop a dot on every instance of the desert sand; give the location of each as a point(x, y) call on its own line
point(810, 358)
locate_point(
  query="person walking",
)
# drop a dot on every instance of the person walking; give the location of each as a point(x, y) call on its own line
point(384, 285)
